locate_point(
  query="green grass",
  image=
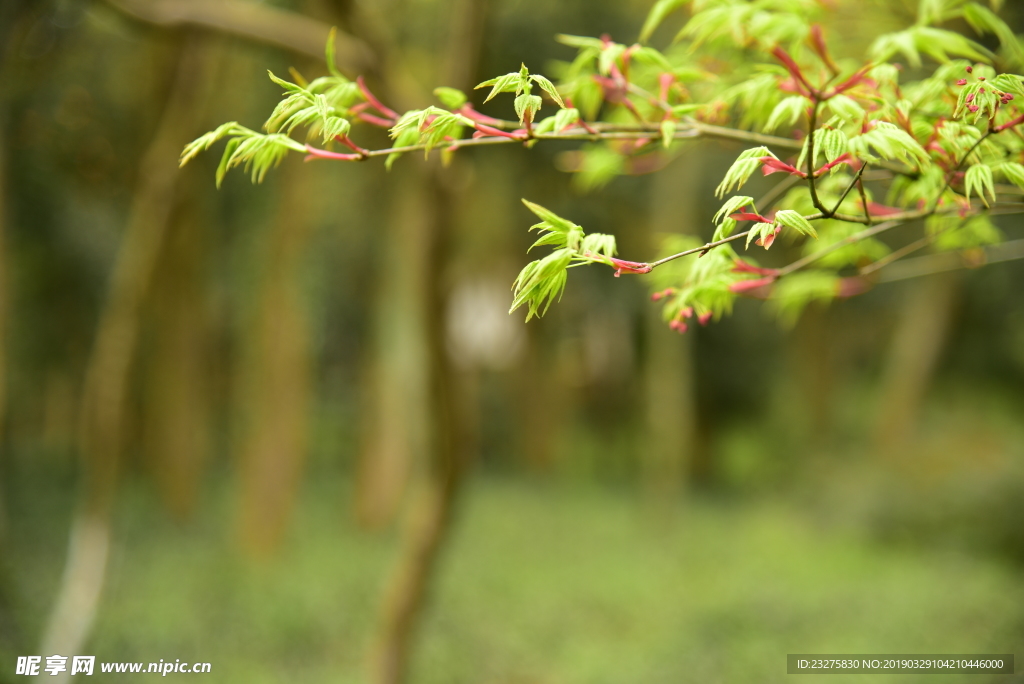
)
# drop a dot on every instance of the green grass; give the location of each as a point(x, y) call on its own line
point(546, 584)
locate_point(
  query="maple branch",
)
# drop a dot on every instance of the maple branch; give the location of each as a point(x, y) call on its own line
point(856, 237)
point(856, 181)
point(603, 132)
point(810, 162)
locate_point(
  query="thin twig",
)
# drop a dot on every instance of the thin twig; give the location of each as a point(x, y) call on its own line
point(848, 188)
point(856, 237)
point(963, 160)
point(951, 261)
point(864, 201)
point(704, 248)
point(686, 131)
point(810, 161)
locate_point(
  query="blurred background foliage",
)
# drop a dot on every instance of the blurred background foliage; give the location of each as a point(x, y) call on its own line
point(641, 506)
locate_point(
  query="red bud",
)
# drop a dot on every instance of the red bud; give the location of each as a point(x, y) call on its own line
point(748, 285)
point(623, 266)
point(741, 266)
point(749, 217)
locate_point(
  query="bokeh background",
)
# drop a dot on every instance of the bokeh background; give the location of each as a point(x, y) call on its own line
point(290, 430)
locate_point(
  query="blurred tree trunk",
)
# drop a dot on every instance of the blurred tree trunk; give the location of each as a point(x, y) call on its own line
point(10, 637)
point(544, 396)
point(669, 376)
point(430, 515)
point(106, 385)
point(175, 418)
point(4, 297)
point(813, 371)
point(920, 337)
point(396, 393)
point(275, 378)
point(13, 14)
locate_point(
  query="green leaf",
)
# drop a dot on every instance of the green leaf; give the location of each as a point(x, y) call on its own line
point(225, 159)
point(599, 165)
point(509, 83)
point(793, 293)
point(541, 282)
point(759, 231)
point(527, 107)
point(1010, 83)
point(452, 98)
point(1013, 172)
point(937, 43)
point(205, 141)
point(661, 9)
point(332, 65)
point(984, 20)
point(549, 88)
point(288, 85)
point(566, 117)
point(731, 206)
point(834, 144)
point(609, 55)
point(786, 112)
point(856, 253)
point(741, 170)
point(652, 57)
point(952, 233)
point(256, 153)
point(668, 132)
point(979, 179)
point(889, 141)
point(433, 126)
point(724, 229)
point(796, 221)
point(334, 126)
point(406, 138)
point(579, 41)
point(599, 243)
point(550, 217)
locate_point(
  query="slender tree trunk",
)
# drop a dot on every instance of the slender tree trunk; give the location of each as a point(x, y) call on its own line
point(175, 415)
point(430, 518)
point(276, 380)
point(812, 360)
point(669, 376)
point(396, 423)
point(543, 400)
point(101, 422)
point(9, 635)
point(917, 345)
point(4, 298)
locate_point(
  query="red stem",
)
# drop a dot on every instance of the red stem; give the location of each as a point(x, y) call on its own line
point(376, 120)
point(372, 99)
point(315, 152)
point(347, 142)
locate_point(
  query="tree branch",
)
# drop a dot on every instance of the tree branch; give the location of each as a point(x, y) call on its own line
point(813, 124)
point(857, 237)
point(951, 261)
point(846, 192)
point(256, 22)
point(704, 248)
point(610, 132)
